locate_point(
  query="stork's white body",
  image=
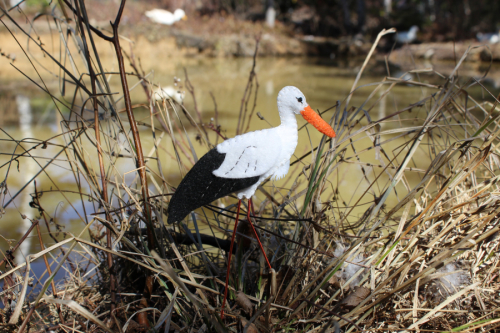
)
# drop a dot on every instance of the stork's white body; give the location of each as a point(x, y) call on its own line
point(265, 153)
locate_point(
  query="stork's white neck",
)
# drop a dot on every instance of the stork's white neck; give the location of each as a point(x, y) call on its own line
point(287, 118)
point(288, 132)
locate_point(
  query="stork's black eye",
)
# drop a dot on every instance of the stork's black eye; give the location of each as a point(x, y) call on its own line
point(299, 99)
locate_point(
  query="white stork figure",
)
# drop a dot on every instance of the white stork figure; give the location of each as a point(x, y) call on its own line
point(239, 165)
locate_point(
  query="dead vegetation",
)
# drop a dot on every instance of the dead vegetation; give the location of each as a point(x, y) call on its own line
point(413, 247)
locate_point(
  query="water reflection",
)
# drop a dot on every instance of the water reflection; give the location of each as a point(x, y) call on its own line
point(382, 106)
point(25, 125)
point(270, 87)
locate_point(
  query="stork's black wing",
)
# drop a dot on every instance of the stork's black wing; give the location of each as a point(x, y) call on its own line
point(200, 187)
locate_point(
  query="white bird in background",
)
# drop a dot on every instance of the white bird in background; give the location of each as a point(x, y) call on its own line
point(169, 92)
point(239, 165)
point(407, 36)
point(491, 38)
point(163, 16)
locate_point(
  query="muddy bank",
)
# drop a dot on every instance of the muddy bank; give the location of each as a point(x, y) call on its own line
point(271, 44)
point(448, 51)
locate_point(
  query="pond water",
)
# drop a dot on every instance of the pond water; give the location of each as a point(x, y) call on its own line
point(29, 113)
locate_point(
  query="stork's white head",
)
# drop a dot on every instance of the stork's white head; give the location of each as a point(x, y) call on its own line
point(179, 14)
point(291, 99)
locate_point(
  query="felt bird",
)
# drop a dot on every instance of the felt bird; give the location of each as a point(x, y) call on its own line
point(240, 164)
point(163, 16)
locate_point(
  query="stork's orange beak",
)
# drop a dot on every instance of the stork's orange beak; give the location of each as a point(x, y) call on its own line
point(314, 119)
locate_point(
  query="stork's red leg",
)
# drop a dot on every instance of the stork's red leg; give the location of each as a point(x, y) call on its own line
point(229, 260)
point(250, 205)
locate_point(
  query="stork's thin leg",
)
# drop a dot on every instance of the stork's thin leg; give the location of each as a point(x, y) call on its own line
point(229, 260)
point(250, 205)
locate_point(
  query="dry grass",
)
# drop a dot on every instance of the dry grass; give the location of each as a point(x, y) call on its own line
point(413, 247)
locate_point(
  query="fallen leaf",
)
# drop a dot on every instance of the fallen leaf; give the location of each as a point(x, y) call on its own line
point(251, 329)
point(135, 327)
point(355, 297)
point(334, 281)
point(244, 302)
